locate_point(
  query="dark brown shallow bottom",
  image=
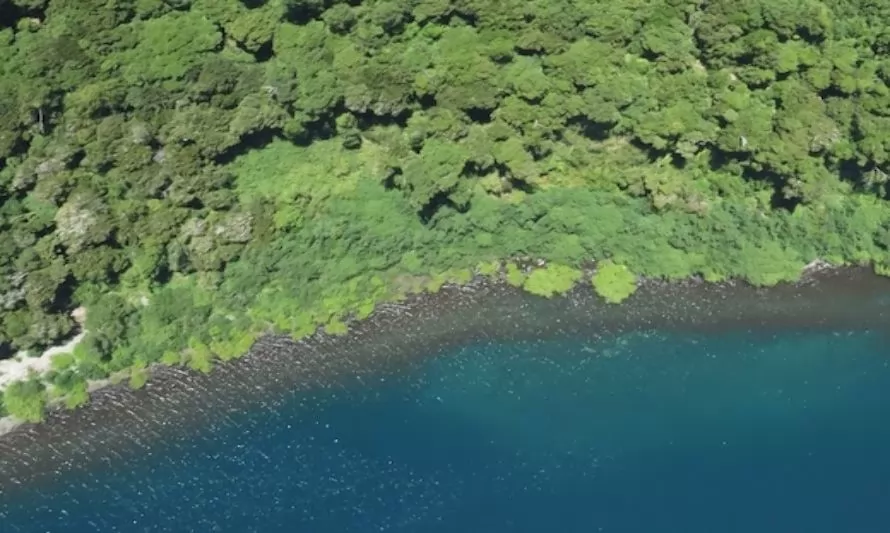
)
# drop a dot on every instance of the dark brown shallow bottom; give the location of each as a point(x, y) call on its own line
point(178, 403)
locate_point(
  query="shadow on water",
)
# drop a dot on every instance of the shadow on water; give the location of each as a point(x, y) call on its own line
point(488, 408)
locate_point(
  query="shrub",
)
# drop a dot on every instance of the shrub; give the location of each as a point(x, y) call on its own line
point(552, 280)
point(615, 283)
point(26, 400)
point(515, 276)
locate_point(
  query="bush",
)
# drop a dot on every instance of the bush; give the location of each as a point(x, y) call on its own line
point(552, 280)
point(336, 327)
point(138, 376)
point(26, 400)
point(515, 276)
point(77, 395)
point(615, 283)
point(200, 358)
point(489, 269)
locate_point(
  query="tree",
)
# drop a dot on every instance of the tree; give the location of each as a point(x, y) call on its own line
point(25, 400)
point(614, 282)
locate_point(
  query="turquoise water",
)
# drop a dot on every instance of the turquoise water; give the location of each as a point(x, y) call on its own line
point(705, 432)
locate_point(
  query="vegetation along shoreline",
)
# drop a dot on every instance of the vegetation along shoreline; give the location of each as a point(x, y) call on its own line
point(402, 336)
point(199, 173)
point(611, 283)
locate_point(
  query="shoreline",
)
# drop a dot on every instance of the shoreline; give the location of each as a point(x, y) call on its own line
point(177, 402)
point(21, 366)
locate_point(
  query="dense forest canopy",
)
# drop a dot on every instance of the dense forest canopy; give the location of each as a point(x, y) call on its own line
point(197, 171)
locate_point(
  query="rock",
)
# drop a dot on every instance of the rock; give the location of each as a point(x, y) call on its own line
point(50, 167)
point(77, 226)
point(79, 315)
point(235, 228)
point(140, 134)
point(11, 298)
point(816, 265)
point(193, 227)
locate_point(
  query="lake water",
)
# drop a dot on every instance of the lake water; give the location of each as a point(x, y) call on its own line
point(730, 430)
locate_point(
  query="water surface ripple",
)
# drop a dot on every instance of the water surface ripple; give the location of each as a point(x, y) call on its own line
point(695, 409)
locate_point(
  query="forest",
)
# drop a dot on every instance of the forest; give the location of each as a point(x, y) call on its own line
point(195, 173)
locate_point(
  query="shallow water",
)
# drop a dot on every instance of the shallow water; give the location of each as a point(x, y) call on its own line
point(734, 430)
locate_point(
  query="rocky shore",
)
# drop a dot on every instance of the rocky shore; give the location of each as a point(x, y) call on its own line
point(177, 402)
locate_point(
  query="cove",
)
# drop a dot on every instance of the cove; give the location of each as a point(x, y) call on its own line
point(693, 409)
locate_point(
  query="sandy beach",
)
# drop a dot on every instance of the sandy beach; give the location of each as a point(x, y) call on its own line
point(22, 365)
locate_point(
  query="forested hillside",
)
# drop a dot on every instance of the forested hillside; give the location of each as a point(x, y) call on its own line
point(195, 172)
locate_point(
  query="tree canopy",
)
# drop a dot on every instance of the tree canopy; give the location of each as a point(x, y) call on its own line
point(195, 172)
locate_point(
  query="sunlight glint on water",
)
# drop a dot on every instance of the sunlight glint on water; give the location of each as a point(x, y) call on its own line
point(639, 433)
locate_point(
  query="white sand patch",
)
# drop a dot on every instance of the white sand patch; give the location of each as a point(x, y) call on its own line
point(21, 366)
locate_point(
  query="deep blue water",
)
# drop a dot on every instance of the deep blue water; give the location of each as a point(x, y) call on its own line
point(709, 433)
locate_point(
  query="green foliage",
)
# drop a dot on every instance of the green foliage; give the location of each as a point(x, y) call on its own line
point(237, 344)
point(26, 400)
point(436, 283)
point(171, 358)
point(78, 395)
point(614, 282)
point(199, 357)
point(514, 275)
point(489, 269)
point(336, 327)
point(138, 376)
point(62, 361)
point(365, 310)
point(551, 280)
point(770, 264)
point(160, 50)
point(197, 173)
point(461, 276)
